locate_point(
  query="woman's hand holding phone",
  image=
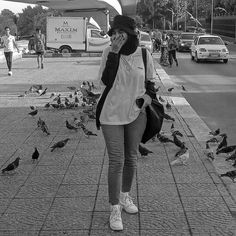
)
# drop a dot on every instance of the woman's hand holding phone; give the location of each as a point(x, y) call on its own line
point(117, 43)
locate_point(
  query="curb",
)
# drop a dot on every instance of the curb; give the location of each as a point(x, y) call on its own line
point(80, 54)
point(196, 128)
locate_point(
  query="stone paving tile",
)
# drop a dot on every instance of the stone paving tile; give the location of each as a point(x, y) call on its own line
point(64, 232)
point(37, 191)
point(108, 232)
point(49, 170)
point(19, 221)
point(44, 180)
point(12, 179)
point(155, 169)
point(100, 221)
point(150, 178)
point(90, 160)
point(168, 222)
point(74, 169)
point(54, 161)
point(159, 203)
point(211, 222)
point(81, 178)
point(163, 233)
point(18, 233)
point(197, 189)
point(157, 190)
point(8, 191)
point(204, 203)
point(67, 221)
point(103, 190)
point(77, 204)
point(29, 206)
point(4, 204)
point(193, 178)
point(76, 190)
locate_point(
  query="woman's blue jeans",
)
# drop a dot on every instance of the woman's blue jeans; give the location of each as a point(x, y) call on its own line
point(122, 143)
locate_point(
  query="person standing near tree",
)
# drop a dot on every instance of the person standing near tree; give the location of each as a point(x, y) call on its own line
point(172, 46)
point(39, 46)
point(8, 42)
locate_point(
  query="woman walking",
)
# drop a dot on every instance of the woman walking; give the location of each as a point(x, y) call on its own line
point(122, 75)
point(164, 49)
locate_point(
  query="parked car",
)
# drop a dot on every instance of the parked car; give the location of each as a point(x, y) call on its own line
point(145, 41)
point(209, 47)
point(185, 41)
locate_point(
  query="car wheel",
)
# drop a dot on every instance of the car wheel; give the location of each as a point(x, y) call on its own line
point(225, 60)
point(196, 58)
point(65, 49)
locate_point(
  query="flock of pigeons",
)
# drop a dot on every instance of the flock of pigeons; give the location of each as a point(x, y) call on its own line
point(220, 139)
point(87, 100)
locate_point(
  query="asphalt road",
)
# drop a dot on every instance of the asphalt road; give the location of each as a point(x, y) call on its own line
point(211, 91)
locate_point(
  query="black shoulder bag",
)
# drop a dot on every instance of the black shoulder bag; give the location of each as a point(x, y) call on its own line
point(155, 111)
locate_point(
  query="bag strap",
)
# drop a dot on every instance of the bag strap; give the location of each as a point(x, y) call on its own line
point(144, 56)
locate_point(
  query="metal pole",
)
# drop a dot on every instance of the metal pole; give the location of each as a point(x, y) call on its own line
point(185, 17)
point(172, 20)
point(196, 13)
point(212, 17)
point(177, 20)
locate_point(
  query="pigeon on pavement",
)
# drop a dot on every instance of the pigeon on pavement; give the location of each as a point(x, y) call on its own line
point(215, 133)
point(182, 157)
point(209, 153)
point(35, 154)
point(33, 113)
point(227, 149)
point(12, 166)
point(59, 144)
point(231, 174)
point(71, 127)
point(143, 150)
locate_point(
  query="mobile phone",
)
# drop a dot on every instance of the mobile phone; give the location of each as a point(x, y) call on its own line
point(139, 102)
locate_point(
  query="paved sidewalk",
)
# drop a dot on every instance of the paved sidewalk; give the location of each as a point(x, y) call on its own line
point(65, 192)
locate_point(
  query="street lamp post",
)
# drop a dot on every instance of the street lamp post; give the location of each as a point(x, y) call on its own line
point(196, 13)
point(212, 13)
point(177, 20)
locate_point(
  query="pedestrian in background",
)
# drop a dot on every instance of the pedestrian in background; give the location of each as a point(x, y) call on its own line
point(172, 47)
point(122, 76)
point(164, 50)
point(39, 46)
point(8, 42)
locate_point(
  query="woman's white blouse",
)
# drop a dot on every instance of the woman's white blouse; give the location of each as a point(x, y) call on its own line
point(120, 107)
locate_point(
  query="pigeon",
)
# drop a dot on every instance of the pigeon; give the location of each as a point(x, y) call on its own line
point(71, 96)
point(59, 100)
point(84, 118)
point(161, 99)
point(44, 128)
point(71, 88)
point(76, 99)
point(92, 116)
point(215, 133)
point(223, 143)
point(172, 128)
point(167, 117)
point(88, 132)
point(170, 89)
point(212, 140)
point(47, 105)
point(164, 139)
point(232, 156)
point(178, 142)
point(23, 95)
point(227, 149)
point(33, 108)
point(143, 151)
point(231, 174)
point(35, 154)
point(56, 98)
point(178, 133)
point(52, 95)
point(44, 92)
point(12, 166)
point(59, 144)
point(71, 127)
point(33, 113)
point(35, 88)
point(182, 157)
point(168, 106)
point(183, 88)
point(55, 106)
point(157, 89)
point(40, 122)
point(78, 123)
point(209, 153)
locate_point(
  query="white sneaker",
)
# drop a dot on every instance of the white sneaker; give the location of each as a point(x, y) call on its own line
point(10, 73)
point(127, 203)
point(115, 218)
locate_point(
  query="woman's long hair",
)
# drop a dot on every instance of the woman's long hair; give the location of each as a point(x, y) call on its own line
point(130, 46)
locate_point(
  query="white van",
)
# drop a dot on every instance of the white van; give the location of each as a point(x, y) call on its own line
point(69, 34)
